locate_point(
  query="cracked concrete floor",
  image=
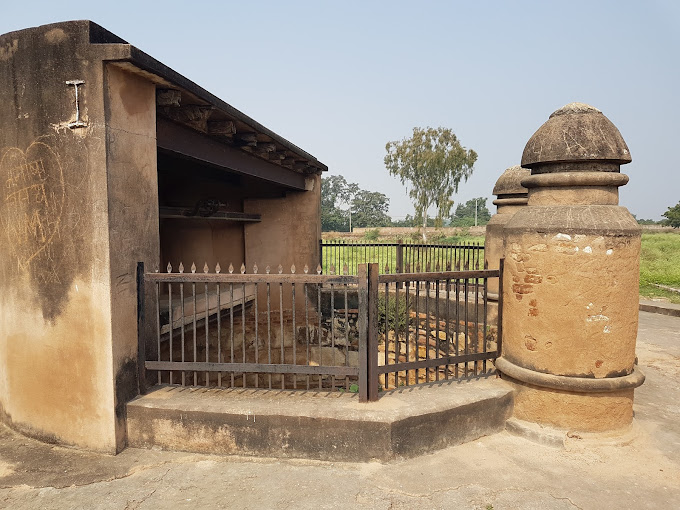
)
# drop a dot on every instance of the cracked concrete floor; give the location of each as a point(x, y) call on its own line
point(640, 470)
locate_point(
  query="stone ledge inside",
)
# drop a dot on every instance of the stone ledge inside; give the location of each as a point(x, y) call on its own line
point(319, 425)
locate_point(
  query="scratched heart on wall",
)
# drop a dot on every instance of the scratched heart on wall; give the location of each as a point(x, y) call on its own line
point(33, 197)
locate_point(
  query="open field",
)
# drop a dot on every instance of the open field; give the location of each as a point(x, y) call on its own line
point(659, 260)
point(660, 265)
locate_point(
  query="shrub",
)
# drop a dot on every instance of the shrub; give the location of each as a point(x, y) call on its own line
point(372, 235)
point(396, 313)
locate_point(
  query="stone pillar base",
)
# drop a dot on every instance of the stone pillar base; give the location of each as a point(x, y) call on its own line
point(572, 403)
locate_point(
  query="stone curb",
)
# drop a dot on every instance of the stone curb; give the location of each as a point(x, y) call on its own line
point(660, 307)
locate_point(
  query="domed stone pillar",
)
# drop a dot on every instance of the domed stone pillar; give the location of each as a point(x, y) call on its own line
point(510, 197)
point(570, 288)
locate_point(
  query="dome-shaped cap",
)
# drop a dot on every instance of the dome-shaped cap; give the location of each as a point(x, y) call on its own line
point(574, 133)
point(509, 183)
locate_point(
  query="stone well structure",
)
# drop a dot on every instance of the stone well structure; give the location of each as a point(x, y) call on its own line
point(571, 279)
point(510, 197)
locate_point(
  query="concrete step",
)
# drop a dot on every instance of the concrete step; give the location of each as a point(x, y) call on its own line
point(319, 425)
point(662, 307)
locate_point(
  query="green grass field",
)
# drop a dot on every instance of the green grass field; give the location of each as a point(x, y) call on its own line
point(446, 251)
point(659, 260)
point(660, 264)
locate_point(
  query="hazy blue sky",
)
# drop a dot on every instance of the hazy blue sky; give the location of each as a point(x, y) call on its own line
point(341, 79)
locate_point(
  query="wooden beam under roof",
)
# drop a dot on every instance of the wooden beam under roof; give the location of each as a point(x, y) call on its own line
point(195, 94)
point(168, 97)
point(194, 116)
point(221, 127)
point(246, 139)
point(182, 141)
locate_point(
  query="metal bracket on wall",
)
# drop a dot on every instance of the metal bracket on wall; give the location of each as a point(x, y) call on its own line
point(77, 123)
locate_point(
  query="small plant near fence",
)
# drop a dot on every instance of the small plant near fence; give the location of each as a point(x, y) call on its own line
point(394, 313)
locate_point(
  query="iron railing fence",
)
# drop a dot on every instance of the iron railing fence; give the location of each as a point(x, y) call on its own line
point(435, 326)
point(253, 330)
point(313, 331)
point(400, 256)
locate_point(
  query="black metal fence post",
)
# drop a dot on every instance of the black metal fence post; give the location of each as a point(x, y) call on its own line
point(399, 260)
point(363, 331)
point(372, 344)
point(141, 337)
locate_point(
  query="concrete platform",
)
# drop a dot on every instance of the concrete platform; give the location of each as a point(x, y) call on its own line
point(319, 425)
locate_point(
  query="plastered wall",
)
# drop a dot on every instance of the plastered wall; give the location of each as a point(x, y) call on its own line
point(289, 232)
point(133, 219)
point(56, 367)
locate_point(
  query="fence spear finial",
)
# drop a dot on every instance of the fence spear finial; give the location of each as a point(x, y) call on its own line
point(255, 268)
point(267, 269)
point(306, 269)
point(292, 269)
point(218, 268)
point(193, 267)
point(206, 268)
point(230, 268)
point(280, 269)
point(169, 268)
point(243, 268)
point(332, 268)
point(318, 269)
point(345, 269)
point(181, 267)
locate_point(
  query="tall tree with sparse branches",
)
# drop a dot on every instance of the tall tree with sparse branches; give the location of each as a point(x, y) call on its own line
point(431, 163)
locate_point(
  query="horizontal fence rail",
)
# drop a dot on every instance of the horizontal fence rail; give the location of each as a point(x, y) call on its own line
point(400, 256)
point(314, 331)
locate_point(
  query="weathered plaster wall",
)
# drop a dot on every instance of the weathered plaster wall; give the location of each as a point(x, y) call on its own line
point(55, 313)
point(201, 241)
point(570, 296)
point(289, 232)
point(566, 281)
point(133, 218)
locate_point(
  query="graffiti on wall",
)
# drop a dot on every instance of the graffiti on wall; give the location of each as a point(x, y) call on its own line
point(33, 197)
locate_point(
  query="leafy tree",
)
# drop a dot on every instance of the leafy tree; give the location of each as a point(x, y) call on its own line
point(361, 208)
point(335, 191)
point(465, 213)
point(431, 163)
point(672, 216)
point(369, 209)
